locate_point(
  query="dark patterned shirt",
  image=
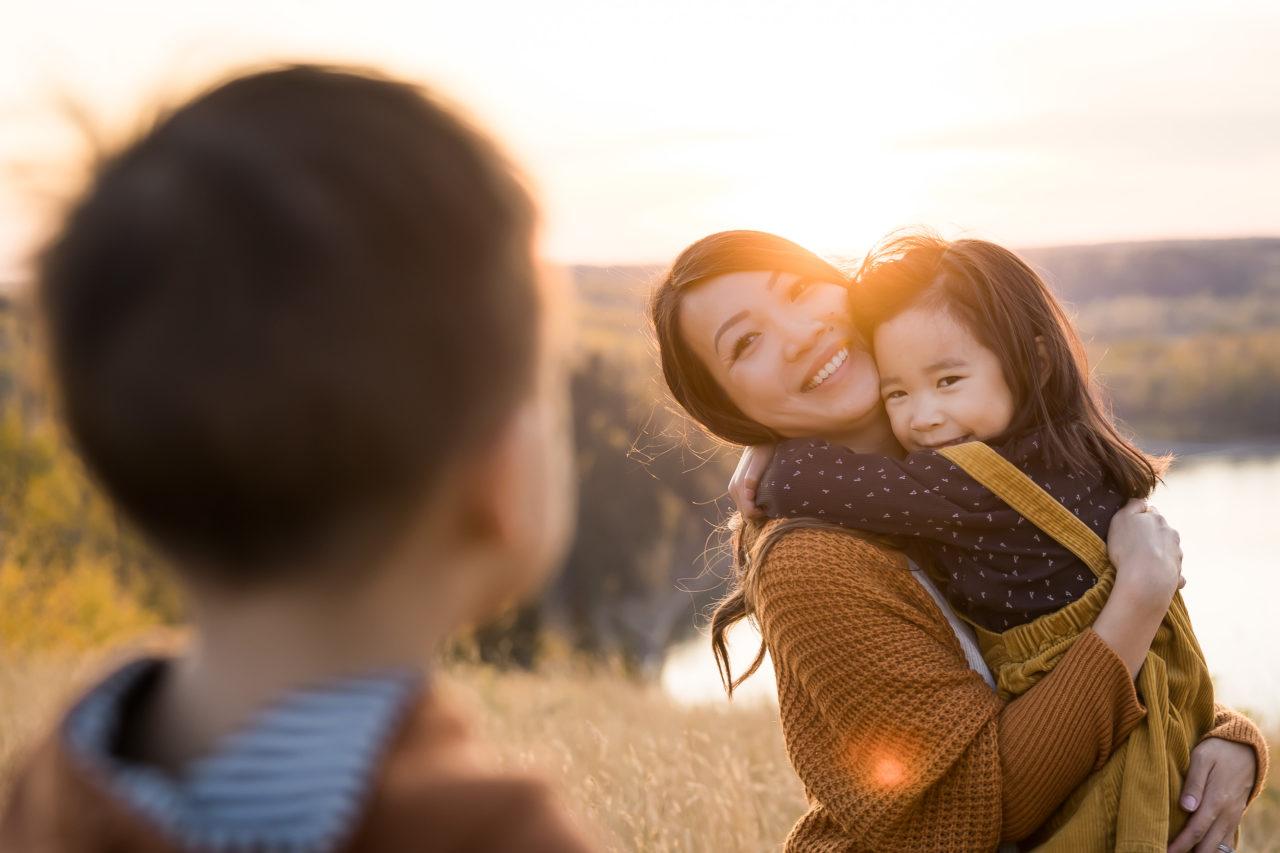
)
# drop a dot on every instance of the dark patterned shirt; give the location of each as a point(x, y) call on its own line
point(1001, 569)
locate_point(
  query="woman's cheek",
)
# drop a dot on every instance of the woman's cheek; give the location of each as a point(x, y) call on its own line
point(753, 389)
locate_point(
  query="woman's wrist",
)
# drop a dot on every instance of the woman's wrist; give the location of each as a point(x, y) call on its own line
point(1231, 725)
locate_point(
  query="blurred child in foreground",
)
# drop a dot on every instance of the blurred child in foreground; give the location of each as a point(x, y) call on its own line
point(298, 335)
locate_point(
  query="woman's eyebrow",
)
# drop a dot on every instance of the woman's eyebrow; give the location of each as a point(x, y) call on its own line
point(736, 318)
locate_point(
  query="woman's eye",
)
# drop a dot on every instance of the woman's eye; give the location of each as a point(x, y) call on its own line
point(798, 287)
point(741, 344)
point(947, 381)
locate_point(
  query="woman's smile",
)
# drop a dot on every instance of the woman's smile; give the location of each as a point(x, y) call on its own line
point(829, 369)
point(785, 350)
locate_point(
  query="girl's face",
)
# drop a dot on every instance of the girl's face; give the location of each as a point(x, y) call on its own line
point(784, 349)
point(940, 386)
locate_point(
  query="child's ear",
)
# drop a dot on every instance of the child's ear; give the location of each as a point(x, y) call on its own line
point(1042, 352)
point(486, 507)
point(518, 495)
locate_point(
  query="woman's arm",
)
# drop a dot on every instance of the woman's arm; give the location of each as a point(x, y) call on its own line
point(911, 741)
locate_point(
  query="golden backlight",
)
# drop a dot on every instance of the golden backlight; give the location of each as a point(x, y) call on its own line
point(645, 126)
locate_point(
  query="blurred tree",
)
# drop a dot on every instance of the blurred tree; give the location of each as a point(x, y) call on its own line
point(640, 535)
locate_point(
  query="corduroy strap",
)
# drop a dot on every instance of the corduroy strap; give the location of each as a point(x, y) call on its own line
point(1019, 491)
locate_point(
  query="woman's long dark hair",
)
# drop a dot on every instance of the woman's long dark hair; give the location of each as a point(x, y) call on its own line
point(702, 398)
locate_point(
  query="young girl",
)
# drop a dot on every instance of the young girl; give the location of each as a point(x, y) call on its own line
point(972, 346)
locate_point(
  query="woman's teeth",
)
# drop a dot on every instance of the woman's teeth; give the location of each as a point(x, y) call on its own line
point(827, 369)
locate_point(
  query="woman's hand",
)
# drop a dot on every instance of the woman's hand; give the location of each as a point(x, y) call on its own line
point(1148, 560)
point(1146, 552)
point(746, 478)
point(1221, 776)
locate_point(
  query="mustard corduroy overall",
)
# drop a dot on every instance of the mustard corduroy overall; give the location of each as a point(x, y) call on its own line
point(1131, 802)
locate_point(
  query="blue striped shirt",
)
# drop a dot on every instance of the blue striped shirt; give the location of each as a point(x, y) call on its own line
point(295, 779)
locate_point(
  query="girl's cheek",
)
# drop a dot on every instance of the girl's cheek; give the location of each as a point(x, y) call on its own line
point(898, 424)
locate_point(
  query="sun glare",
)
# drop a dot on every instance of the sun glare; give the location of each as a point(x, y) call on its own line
point(838, 194)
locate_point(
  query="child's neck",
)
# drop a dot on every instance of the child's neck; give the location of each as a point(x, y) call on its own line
point(250, 649)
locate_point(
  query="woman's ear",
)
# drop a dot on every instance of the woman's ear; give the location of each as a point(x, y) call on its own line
point(1042, 353)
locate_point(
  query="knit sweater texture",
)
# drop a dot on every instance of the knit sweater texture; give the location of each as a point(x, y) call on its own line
point(899, 744)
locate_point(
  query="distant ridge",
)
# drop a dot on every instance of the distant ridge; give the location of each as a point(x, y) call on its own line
point(1170, 268)
point(1233, 267)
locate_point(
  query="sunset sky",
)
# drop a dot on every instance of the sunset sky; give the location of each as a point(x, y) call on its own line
point(645, 125)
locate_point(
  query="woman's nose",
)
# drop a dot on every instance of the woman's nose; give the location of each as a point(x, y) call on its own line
point(801, 337)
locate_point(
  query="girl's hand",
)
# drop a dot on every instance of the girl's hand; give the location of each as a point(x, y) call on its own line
point(1148, 560)
point(746, 478)
point(1221, 776)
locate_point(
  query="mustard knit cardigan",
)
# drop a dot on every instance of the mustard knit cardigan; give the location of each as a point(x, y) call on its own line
point(899, 744)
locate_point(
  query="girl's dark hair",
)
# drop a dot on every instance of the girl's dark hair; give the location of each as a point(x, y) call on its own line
point(688, 379)
point(1009, 309)
point(702, 398)
point(289, 306)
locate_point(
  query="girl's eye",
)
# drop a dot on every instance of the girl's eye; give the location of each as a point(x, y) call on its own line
point(798, 287)
point(741, 344)
point(948, 381)
point(895, 395)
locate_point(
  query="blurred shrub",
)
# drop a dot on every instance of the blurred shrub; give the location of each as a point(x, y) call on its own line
point(80, 609)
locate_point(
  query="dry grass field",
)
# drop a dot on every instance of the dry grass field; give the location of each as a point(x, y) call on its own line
point(645, 773)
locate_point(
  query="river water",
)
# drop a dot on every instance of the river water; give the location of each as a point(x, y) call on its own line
point(1225, 503)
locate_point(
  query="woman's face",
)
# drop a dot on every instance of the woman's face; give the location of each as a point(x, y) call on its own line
point(784, 349)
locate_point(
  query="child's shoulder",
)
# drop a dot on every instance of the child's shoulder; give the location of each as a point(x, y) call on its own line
point(434, 782)
point(377, 760)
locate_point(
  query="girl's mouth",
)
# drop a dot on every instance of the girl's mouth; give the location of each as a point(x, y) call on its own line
point(825, 372)
point(952, 443)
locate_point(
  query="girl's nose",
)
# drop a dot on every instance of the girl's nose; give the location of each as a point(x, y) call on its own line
point(925, 418)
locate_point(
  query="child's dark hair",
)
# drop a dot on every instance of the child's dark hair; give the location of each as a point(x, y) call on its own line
point(289, 307)
point(1009, 309)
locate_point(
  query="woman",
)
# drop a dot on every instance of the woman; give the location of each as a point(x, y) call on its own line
point(899, 741)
